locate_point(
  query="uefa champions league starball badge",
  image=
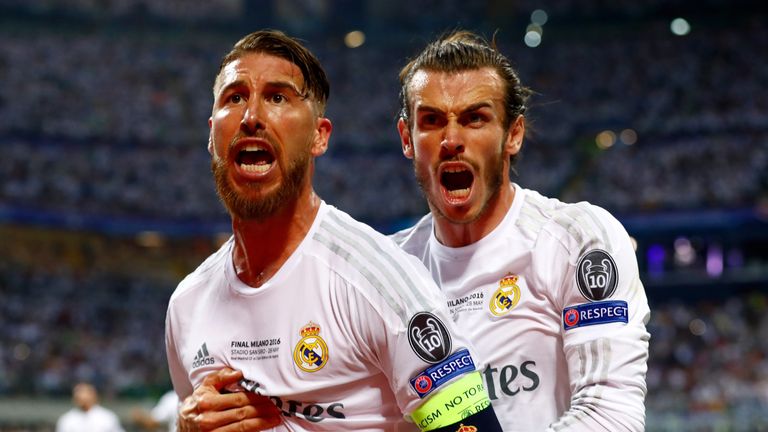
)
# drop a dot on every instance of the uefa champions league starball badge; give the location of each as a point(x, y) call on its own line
point(429, 338)
point(596, 275)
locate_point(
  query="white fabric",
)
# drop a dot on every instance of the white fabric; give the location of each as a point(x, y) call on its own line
point(96, 419)
point(351, 282)
point(540, 375)
point(166, 409)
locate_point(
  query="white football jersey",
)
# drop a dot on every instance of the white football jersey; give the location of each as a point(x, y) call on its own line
point(553, 302)
point(166, 410)
point(96, 419)
point(335, 338)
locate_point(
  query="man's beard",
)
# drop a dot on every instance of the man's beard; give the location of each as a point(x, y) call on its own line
point(249, 209)
point(493, 178)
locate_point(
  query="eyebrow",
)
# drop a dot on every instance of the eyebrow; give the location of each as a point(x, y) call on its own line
point(285, 85)
point(233, 84)
point(270, 84)
point(473, 107)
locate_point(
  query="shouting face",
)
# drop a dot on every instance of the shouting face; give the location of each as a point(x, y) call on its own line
point(265, 132)
point(458, 141)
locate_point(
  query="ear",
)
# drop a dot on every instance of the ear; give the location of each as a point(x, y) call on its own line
point(210, 135)
point(515, 136)
point(324, 128)
point(405, 138)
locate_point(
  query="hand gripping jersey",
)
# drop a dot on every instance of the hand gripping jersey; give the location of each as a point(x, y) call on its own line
point(553, 302)
point(350, 334)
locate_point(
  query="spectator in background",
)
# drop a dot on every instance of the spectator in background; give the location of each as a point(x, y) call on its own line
point(163, 414)
point(87, 415)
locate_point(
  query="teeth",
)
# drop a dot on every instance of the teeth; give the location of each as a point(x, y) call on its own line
point(454, 170)
point(260, 168)
point(459, 193)
point(254, 147)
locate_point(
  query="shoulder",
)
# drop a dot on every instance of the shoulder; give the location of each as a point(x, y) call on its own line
point(414, 238)
point(104, 411)
point(372, 264)
point(67, 417)
point(576, 227)
point(202, 275)
point(353, 241)
point(165, 409)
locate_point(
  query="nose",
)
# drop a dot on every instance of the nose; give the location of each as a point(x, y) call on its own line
point(452, 143)
point(253, 117)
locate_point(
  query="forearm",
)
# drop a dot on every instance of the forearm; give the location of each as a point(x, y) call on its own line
point(463, 402)
point(608, 385)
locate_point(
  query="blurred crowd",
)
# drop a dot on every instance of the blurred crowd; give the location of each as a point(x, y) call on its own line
point(709, 359)
point(174, 10)
point(63, 322)
point(716, 171)
point(116, 123)
point(711, 171)
point(113, 124)
point(86, 308)
point(60, 328)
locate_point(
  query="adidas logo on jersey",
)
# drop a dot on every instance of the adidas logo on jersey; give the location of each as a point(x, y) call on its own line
point(202, 358)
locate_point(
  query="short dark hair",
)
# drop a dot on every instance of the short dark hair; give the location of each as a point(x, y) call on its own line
point(463, 50)
point(278, 44)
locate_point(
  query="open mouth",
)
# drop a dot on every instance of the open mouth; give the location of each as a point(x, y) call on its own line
point(457, 181)
point(254, 159)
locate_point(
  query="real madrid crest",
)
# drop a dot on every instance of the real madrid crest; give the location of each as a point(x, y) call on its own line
point(311, 352)
point(506, 296)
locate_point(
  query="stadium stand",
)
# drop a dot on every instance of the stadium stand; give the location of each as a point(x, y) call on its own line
point(103, 115)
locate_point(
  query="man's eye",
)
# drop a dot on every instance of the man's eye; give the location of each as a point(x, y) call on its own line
point(429, 119)
point(475, 118)
point(236, 98)
point(278, 98)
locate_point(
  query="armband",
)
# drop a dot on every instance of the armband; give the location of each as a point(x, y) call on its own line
point(483, 421)
point(464, 398)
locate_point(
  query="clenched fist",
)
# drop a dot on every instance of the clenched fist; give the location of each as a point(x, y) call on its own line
point(208, 409)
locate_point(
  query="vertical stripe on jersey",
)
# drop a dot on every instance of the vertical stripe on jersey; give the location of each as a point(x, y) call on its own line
point(598, 356)
point(576, 219)
point(594, 364)
point(527, 228)
point(401, 237)
point(585, 237)
point(534, 214)
point(379, 267)
point(348, 228)
point(600, 224)
point(530, 221)
point(588, 220)
point(370, 277)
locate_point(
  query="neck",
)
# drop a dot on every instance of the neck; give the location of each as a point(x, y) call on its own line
point(453, 234)
point(263, 246)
